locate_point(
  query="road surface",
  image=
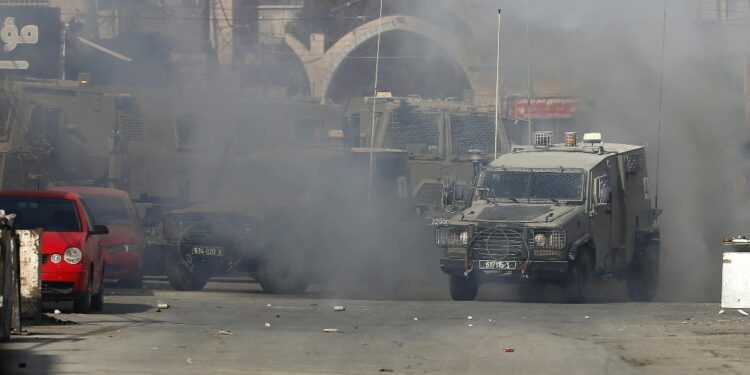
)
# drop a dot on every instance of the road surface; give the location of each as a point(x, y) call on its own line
point(233, 328)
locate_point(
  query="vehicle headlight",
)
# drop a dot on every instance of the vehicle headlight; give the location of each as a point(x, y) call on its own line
point(549, 239)
point(55, 258)
point(72, 255)
point(173, 227)
point(451, 236)
point(540, 240)
point(123, 248)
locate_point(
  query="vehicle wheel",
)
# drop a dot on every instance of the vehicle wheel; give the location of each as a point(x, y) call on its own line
point(82, 304)
point(580, 278)
point(643, 278)
point(463, 288)
point(283, 272)
point(97, 300)
point(182, 278)
point(531, 290)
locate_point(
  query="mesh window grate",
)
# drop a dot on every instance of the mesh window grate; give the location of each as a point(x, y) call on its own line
point(535, 184)
point(471, 131)
point(430, 193)
point(130, 126)
point(417, 133)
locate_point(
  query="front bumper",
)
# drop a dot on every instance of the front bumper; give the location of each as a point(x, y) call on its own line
point(536, 269)
point(57, 286)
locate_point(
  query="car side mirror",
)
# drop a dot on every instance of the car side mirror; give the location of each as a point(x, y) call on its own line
point(99, 229)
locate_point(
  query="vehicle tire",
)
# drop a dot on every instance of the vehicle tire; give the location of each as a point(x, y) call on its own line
point(183, 279)
point(463, 288)
point(531, 290)
point(643, 278)
point(82, 303)
point(580, 277)
point(283, 272)
point(97, 300)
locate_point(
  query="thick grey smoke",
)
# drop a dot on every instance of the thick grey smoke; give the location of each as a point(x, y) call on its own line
point(609, 52)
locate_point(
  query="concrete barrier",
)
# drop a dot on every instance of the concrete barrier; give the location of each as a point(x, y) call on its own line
point(30, 253)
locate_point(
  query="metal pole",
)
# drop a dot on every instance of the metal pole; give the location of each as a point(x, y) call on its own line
point(528, 69)
point(497, 81)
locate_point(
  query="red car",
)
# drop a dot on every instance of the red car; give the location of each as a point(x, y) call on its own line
point(72, 253)
point(124, 244)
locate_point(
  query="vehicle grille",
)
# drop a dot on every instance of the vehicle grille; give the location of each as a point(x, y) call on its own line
point(208, 230)
point(499, 243)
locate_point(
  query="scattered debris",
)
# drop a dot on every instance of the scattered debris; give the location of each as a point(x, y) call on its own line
point(268, 324)
point(331, 330)
point(470, 318)
point(508, 350)
point(154, 348)
point(339, 308)
point(224, 332)
point(415, 318)
point(22, 365)
point(162, 306)
point(587, 317)
point(278, 316)
point(721, 312)
point(742, 312)
point(57, 311)
point(190, 361)
point(269, 305)
point(471, 325)
point(385, 370)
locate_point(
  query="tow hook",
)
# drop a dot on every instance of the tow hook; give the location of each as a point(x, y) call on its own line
point(468, 269)
point(525, 271)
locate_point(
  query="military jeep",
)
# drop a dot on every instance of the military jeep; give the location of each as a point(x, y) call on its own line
point(562, 214)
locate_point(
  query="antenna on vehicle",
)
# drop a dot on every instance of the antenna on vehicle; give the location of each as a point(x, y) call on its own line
point(497, 81)
point(374, 101)
point(661, 95)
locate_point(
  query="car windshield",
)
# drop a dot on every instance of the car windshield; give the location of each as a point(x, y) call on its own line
point(50, 214)
point(534, 184)
point(106, 210)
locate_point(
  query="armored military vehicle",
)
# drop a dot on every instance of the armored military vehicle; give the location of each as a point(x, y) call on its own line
point(437, 134)
point(289, 217)
point(561, 214)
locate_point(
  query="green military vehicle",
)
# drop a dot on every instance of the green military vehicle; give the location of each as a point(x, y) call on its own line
point(290, 217)
point(439, 136)
point(555, 214)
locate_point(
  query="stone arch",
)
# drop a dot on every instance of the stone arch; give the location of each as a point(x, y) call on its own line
point(321, 64)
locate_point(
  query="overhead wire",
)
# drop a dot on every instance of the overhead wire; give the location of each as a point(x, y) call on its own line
point(661, 96)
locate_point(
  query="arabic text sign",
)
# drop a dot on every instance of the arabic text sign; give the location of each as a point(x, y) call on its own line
point(544, 108)
point(30, 41)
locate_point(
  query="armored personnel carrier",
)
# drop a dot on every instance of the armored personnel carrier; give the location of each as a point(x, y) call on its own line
point(563, 214)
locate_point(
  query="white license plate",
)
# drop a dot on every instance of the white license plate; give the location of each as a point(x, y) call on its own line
point(212, 251)
point(497, 265)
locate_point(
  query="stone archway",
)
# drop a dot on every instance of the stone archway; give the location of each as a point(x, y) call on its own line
point(321, 64)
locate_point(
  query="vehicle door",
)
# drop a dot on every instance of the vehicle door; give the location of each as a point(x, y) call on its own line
point(92, 246)
point(600, 211)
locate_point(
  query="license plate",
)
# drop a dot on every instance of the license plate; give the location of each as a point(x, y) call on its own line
point(497, 265)
point(208, 251)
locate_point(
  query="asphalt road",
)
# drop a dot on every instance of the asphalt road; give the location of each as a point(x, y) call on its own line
point(223, 330)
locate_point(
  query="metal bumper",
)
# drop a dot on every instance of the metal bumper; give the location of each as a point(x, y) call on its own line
point(537, 269)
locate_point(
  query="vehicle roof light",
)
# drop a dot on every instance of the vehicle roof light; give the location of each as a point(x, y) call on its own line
point(592, 138)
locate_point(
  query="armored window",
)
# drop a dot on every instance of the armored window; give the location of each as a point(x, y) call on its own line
point(602, 190)
point(414, 131)
point(4, 116)
point(472, 131)
point(129, 119)
point(633, 163)
point(537, 184)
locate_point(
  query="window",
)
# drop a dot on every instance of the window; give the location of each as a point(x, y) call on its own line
point(50, 214)
point(535, 184)
point(107, 210)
